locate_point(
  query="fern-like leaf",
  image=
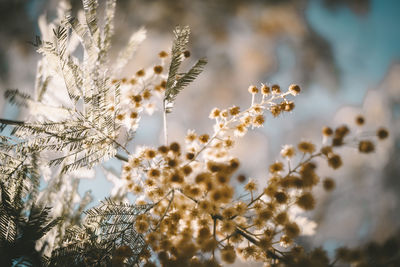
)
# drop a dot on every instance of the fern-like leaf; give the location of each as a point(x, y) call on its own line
point(177, 82)
point(14, 96)
point(106, 229)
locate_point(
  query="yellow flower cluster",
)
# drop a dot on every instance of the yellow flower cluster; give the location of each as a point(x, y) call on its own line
point(137, 93)
point(201, 216)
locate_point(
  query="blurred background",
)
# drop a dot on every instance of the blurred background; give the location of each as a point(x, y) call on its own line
point(345, 54)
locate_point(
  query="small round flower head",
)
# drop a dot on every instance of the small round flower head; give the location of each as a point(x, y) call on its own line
point(134, 162)
point(306, 147)
point(250, 186)
point(234, 110)
point(281, 218)
point(250, 251)
point(158, 69)
point(132, 81)
point(163, 149)
point(149, 182)
point(264, 214)
point(228, 142)
point(141, 226)
point(214, 113)
point(153, 173)
point(190, 156)
point(294, 89)
point(360, 120)
point(222, 178)
point(159, 88)
point(276, 89)
point(366, 146)
point(240, 130)
point(140, 73)
point(150, 153)
point(186, 54)
point(306, 201)
point(214, 166)
point(123, 80)
point(127, 168)
point(172, 163)
point(163, 54)
point(240, 207)
point(258, 121)
point(224, 113)
point(276, 167)
point(120, 117)
point(246, 120)
point(382, 133)
point(175, 147)
point(275, 110)
point(229, 212)
point(253, 89)
point(289, 106)
point(258, 206)
point(288, 151)
point(326, 150)
point(163, 84)
point(228, 226)
point(233, 164)
point(136, 98)
point(137, 189)
point(327, 131)
point(265, 90)
point(241, 178)
point(190, 136)
point(337, 141)
point(335, 161)
point(146, 94)
point(228, 254)
point(130, 186)
point(281, 197)
point(292, 229)
point(176, 177)
point(258, 109)
point(342, 131)
point(204, 138)
point(328, 184)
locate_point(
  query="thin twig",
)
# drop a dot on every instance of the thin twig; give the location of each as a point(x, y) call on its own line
point(122, 158)
point(165, 124)
point(11, 122)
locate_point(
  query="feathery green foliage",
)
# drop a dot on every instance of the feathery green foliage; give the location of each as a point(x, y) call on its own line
point(20, 229)
point(176, 82)
point(107, 231)
point(189, 203)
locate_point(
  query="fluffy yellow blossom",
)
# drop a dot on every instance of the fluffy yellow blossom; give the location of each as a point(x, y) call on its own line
point(288, 151)
point(253, 89)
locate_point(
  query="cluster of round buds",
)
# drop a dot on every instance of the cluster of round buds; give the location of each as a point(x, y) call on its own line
point(196, 212)
point(338, 136)
point(254, 115)
point(271, 95)
point(275, 89)
point(288, 151)
point(137, 93)
point(294, 89)
point(253, 89)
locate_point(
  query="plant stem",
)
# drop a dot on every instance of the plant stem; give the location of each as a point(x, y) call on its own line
point(11, 122)
point(120, 157)
point(165, 124)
